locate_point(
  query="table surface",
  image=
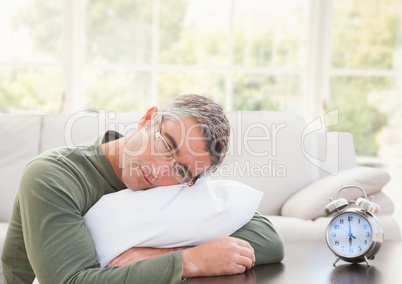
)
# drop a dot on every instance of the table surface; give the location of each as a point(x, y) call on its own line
point(311, 263)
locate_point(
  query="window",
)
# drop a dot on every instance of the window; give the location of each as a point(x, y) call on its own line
point(127, 54)
point(365, 81)
point(301, 56)
point(366, 72)
point(30, 68)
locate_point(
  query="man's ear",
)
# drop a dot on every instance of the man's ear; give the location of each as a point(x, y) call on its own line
point(147, 117)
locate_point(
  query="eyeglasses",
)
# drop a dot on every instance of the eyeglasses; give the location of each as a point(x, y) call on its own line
point(164, 150)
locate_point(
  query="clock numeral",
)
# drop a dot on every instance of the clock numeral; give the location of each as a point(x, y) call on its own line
point(359, 248)
point(333, 235)
point(350, 218)
point(337, 243)
point(336, 227)
point(341, 221)
point(368, 234)
point(365, 226)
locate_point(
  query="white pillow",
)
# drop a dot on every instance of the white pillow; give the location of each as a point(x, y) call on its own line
point(310, 201)
point(170, 216)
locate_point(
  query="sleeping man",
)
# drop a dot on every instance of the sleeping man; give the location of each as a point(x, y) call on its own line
point(176, 145)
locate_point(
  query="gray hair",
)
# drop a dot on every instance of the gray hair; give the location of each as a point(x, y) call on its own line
point(210, 117)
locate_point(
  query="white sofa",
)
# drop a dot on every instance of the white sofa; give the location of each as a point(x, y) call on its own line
point(297, 165)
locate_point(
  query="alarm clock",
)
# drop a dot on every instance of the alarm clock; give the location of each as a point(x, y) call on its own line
point(354, 234)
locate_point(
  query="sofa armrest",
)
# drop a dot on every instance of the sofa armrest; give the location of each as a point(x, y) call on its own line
point(310, 201)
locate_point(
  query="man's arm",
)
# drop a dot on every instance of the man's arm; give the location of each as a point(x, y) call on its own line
point(262, 236)
point(255, 243)
point(58, 244)
point(222, 256)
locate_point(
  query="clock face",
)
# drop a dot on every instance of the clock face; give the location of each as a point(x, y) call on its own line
point(349, 235)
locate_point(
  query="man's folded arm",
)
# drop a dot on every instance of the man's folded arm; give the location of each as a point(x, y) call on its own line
point(265, 240)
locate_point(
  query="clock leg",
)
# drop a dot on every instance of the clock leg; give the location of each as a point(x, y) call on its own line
point(367, 262)
point(336, 260)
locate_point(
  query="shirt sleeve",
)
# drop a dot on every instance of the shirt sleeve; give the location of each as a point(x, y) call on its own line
point(265, 240)
point(59, 245)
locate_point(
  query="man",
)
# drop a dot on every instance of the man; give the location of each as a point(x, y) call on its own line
point(47, 236)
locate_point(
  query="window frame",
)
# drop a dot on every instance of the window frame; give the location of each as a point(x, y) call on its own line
point(315, 74)
point(74, 65)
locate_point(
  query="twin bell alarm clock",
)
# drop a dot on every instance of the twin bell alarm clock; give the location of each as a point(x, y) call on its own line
point(354, 234)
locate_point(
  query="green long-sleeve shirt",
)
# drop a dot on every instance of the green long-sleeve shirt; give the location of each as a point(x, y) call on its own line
point(47, 236)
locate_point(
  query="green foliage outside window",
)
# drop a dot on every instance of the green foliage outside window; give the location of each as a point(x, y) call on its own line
point(121, 65)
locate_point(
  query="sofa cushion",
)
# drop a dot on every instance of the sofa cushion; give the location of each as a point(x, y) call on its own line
point(73, 129)
point(293, 229)
point(20, 144)
point(170, 216)
point(3, 231)
point(266, 153)
point(310, 202)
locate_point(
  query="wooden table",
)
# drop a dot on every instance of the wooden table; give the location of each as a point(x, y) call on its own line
point(311, 263)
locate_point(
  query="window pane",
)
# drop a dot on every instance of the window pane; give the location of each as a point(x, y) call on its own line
point(367, 35)
point(118, 91)
point(173, 84)
point(30, 30)
point(369, 108)
point(266, 92)
point(194, 32)
point(270, 32)
point(388, 100)
point(119, 31)
point(30, 90)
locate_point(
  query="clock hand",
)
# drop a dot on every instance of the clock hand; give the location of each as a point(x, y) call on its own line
point(350, 233)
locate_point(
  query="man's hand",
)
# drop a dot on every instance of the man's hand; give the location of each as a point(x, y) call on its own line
point(136, 254)
point(222, 256)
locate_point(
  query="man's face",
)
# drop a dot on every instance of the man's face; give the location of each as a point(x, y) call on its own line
point(143, 165)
